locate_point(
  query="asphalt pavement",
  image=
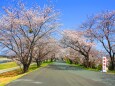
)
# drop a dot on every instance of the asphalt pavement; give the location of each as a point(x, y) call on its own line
point(62, 74)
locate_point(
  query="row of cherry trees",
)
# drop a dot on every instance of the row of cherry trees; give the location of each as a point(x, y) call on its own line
point(24, 30)
point(98, 28)
point(27, 33)
point(80, 42)
point(45, 49)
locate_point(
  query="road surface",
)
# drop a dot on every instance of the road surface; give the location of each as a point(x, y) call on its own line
point(61, 74)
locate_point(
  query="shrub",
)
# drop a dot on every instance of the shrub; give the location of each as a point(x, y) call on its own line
point(69, 61)
point(99, 67)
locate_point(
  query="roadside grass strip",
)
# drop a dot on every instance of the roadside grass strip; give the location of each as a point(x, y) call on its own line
point(8, 65)
point(91, 69)
point(7, 77)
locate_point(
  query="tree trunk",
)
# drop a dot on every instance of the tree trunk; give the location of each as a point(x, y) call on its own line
point(86, 62)
point(51, 60)
point(25, 68)
point(112, 65)
point(38, 63)
point(62, 59)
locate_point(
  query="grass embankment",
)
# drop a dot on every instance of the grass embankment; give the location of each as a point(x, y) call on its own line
point(7, 77)
point(111, 72)
point(8, 65)
point(91, 69)
point(80, 66)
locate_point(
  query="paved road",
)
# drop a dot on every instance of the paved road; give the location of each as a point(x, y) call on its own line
point(61, 74)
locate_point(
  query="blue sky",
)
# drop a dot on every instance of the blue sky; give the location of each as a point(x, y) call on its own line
point(73, 12)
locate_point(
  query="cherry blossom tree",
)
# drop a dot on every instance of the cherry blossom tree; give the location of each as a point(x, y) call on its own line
point(102, 28)
point(54, 47)
point(73, 56)
point(45, 49)
point(77, 41)
point(21, 28)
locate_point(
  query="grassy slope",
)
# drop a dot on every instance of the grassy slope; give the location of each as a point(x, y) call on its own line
point(111, 72)
point(91, 69)
point(7, 65)
point(10, 76)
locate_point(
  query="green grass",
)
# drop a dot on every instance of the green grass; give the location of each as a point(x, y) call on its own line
point(34, 67)
point(5, 79)
point(81, 66)
point(91, 69)
point(7, 65)
point(111, 72)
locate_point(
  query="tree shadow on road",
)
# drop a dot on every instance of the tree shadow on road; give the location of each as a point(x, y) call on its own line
point(109, 79)
point(65, 67)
